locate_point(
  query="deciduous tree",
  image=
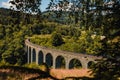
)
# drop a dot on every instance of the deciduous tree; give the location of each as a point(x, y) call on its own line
point(56, 39)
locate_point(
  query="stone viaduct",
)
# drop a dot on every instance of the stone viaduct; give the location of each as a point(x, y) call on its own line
point(57, 58)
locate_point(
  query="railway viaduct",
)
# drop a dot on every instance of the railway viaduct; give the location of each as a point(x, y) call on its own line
point(57, 58)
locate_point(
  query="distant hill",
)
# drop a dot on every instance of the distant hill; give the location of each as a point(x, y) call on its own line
point(7, 16)
point(59, 17)
point(4, 12)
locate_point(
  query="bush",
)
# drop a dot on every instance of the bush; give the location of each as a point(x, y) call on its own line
point(56, 39)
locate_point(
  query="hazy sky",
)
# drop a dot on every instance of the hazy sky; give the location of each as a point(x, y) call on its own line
point(5, 4)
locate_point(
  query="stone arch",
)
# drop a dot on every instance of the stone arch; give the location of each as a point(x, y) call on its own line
point(49, 60)
point(90, 64)
point(40, 57)
point(29, 54)
point(33, 55)
point(75, 63)
point(60, 62)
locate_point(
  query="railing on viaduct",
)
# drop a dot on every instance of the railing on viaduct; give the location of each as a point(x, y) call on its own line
point(57, 58)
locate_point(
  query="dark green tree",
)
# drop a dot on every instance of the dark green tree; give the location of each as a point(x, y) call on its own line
point(27, 7)
point(56, 39)
point(108, 68)
point(2, 31)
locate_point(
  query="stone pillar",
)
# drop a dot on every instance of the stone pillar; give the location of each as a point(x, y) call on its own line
point(37, 52)
point(67, 65)
point(54, 62)
point(28, 60)
point(84, 64)
point(31, 55)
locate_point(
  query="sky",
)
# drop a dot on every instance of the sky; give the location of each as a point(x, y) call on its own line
point(5, 4)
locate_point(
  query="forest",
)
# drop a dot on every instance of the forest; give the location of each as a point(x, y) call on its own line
point(83, 26)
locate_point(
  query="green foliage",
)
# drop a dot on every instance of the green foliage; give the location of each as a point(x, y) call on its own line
point(87, 42)
point(68, 31)
point(56, 39)
point(42, 67)
point(12, 43)
point(32, 65)
point(2, 31)
point(13, 34)
point(108, 67)
point(80, 30)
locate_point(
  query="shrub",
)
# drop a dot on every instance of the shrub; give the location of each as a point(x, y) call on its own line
point(56, 39)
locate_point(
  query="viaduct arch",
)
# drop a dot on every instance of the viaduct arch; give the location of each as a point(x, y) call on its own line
point(57, 58)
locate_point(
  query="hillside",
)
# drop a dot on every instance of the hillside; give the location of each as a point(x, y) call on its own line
point(47, 15)
point(14, 30)
point(5, 12)
point(59, 17)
